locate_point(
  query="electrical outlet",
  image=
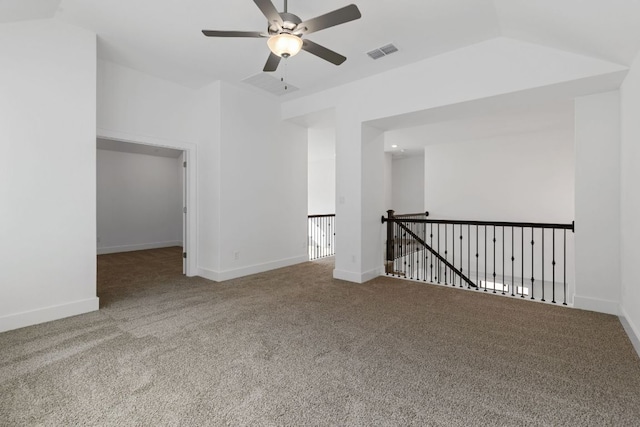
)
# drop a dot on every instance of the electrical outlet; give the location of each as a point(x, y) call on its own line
point(236, 255)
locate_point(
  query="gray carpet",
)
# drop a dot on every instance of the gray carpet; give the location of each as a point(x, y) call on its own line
point(296, 347)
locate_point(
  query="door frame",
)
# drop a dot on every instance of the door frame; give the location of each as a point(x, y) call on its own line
point(190, 224)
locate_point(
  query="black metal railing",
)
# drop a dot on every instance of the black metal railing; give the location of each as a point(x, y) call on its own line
point(321, 238)
point(523, 259)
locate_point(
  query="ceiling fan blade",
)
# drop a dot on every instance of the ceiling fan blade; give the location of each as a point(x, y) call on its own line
point(270, 11)
point(323, 52)
point(272, 63)
point(337, 17)
point(215, 33)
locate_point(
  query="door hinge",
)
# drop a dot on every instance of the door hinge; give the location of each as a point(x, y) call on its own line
point(184, 255)
point(184, 210)
point(184, 164)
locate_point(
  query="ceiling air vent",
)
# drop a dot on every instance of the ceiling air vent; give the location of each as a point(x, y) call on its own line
point(382, 51)
point(270, 84)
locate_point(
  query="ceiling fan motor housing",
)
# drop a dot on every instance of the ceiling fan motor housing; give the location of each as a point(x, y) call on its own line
point(290, 22)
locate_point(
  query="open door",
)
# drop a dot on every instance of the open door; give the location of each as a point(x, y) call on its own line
point(183, 159)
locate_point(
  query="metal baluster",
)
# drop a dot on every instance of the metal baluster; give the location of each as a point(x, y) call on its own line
point(438, 275)
point(425, 269)
point(431, 253)
point(485, 258)
point(326, 236)
point(494, 259)
point(553, 266)
point(319, 238)
point(543, 230)
point(413, 252)
point(504, 281)
point(532, 270)
point(461, 259)
point(445, 254)
point(477, 281)
point(565, 267)
point(522, 263)
point(333, 236)
point(453, 251)
point(468, 251)
point(406, 252)
point(417, 255)
point(513, 282)
point(321, 232)
point(398, 253)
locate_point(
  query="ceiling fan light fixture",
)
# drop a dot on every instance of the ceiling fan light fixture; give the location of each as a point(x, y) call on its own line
point(285, 45)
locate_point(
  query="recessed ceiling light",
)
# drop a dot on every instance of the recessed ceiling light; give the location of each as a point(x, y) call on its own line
point(394, 146)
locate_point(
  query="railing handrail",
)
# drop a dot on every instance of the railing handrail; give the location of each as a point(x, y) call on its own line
point(487, 223)
point(320, 215)
point(413, 214)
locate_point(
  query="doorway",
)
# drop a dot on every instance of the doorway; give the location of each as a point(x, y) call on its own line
point(140, 197)
point(183, 156)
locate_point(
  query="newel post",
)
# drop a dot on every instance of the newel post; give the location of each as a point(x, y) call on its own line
point(388, 265)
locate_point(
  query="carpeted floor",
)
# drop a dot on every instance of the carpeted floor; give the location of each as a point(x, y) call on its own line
point(296, 347)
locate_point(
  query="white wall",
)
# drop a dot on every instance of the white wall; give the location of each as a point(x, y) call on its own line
point(388, 181)
point(522, 177)
point(139, 201)
point(47, 172)
point(322, 171)
point(408, 185)
point(630, 199)
point(485, 70)
point(263, 185)
point(138, 104)
point(373, 160)
point(597, 202)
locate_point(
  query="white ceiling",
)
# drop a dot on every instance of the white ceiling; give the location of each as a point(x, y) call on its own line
point(522, 119)
point(163, 38)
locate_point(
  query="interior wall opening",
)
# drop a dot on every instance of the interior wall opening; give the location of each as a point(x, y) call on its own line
point(141, 209)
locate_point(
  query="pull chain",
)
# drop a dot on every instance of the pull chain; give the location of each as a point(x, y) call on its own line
point(284, 78)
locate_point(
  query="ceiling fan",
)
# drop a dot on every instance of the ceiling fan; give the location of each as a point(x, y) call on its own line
point(285, 32)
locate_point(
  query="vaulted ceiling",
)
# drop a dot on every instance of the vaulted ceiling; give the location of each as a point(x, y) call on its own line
point(163, 37)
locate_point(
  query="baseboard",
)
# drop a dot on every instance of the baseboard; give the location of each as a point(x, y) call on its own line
point(140, 247)
point(596, 304)
point(221, 276)
point(351, 276)
point(632, 330)
point(47, 314)
point(208, 274)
